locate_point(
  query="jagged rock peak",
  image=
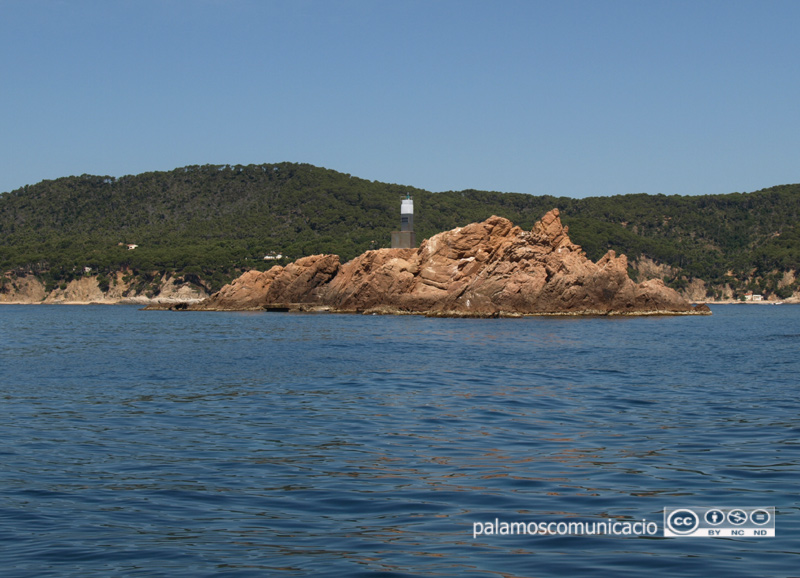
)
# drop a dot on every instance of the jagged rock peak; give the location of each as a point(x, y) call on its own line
point(482, 269)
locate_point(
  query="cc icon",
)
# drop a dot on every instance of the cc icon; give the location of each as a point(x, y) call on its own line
point(683, 521)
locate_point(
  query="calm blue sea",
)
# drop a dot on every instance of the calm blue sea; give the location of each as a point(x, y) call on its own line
point(140, 443)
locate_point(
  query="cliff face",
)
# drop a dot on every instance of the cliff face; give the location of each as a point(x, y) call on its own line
point(30, 290)
point(483, 269)
point(280, 287)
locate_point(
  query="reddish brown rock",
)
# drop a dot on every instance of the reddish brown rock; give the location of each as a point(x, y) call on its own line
point(280, 287)
point(483, 269)
point(246, 293)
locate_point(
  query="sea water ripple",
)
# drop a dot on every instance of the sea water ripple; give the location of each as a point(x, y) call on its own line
point(242, 444)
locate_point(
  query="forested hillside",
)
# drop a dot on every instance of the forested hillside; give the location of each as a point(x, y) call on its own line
point(211, 222)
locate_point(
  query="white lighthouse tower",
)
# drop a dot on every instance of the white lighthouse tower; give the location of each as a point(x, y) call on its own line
point(405, 238)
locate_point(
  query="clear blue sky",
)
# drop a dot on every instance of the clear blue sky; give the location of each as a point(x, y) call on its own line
point(571, 98)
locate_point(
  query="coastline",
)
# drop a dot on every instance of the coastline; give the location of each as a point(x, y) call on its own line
point(173, 303)
point(28, 290)
point(146, 301)
point(698, 309)
point(790, 301)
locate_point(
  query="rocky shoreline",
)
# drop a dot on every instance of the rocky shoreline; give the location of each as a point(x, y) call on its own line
point(28, 290)
point(488, 269)
point(697, 309)
point(176, 304)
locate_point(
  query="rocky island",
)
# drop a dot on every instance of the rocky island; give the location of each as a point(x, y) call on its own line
point(486, 269)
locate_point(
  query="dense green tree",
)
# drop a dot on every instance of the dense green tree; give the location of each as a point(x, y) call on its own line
point(211, 222)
